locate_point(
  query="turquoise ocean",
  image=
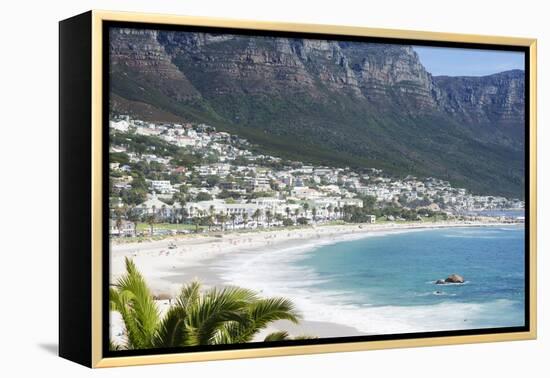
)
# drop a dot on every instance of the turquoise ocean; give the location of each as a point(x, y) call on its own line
point(384, 283)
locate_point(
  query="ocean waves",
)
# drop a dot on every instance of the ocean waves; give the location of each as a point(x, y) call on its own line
point(326, 295)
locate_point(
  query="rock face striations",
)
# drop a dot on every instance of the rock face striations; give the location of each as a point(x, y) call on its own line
point(346, 102)
point(495, 102)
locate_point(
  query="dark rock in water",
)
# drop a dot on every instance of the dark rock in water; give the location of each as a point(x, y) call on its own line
point(454, 278)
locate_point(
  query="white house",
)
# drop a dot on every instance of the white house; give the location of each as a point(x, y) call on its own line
point(122, 228)
point(122, 125)
point(155, 206)
point(267, 201)
point(203, 208)
point(371, 218)
point(350, 202)
point(183, 141)
point(161, 186)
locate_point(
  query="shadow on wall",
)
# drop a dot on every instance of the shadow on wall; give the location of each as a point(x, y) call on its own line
point(52, 348)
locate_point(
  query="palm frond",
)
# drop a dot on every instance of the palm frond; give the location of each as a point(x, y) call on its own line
point(277, 336)
point(283, 335)
point(132, 298)
point(115, 300)
point(114, 346)
point(259, 314)
point(268, 310)
point(206, 318)
point(215, 316)
point(172, 331)
point(189, 295)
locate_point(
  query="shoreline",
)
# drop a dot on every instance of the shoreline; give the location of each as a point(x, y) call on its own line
point(165, 269)
point(343, 227)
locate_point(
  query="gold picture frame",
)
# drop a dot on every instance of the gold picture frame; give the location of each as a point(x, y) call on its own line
point(91, 267)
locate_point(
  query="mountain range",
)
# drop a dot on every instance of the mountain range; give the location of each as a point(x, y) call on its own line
point(339, 103)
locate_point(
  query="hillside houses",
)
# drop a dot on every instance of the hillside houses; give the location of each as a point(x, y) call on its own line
point(229, 179)
point(154, 206)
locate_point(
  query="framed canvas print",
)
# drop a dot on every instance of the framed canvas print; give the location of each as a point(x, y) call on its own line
point(234, 189)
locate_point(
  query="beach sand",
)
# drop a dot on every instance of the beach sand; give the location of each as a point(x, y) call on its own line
point(194, 257)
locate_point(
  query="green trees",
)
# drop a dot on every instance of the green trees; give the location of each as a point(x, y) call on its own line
point(151, 219)
point(369, 202)
point(287, 222)
point(257, 214)
point(119, 213)
point(197, 221)
point(137, 193)
point(203, 196)
point(181, 196)
point(197, 317)
point(212, 180)
point(222, 218)
point(119, 157)
point(305, 206)
point(133, 216)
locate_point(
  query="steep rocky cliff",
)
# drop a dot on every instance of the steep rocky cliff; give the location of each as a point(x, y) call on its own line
point(494, 102)
point(334, 102)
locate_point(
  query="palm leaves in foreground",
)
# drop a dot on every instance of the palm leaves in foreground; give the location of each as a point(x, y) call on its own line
point(215, 316)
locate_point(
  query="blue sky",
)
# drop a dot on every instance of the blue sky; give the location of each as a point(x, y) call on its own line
point(468, 62)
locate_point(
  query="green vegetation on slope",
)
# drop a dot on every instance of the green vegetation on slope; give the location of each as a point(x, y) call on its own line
point(323, 126)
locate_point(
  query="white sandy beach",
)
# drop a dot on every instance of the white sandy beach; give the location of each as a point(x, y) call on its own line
point(194, 257)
